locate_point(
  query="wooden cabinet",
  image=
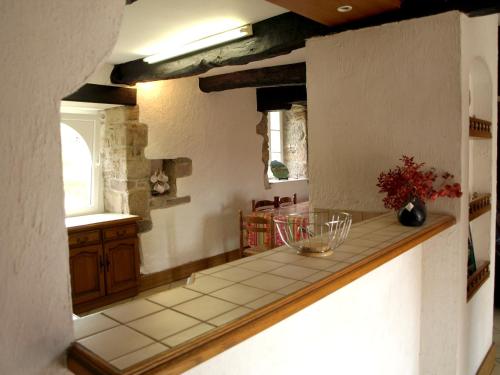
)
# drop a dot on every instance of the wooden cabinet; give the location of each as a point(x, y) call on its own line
point(104, 259)
point(122, 264)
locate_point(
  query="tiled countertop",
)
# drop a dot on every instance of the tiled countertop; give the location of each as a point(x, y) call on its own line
point(136, 331)
point(86, 220)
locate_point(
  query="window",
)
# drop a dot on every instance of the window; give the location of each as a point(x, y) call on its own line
point(275, 139)
point(287, 131)
point(80, 162)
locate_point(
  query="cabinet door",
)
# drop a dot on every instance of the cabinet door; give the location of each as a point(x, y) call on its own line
point(122, 264)
point(87, 273)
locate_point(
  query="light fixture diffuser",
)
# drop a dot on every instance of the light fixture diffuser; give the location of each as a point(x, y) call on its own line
point(209, 41)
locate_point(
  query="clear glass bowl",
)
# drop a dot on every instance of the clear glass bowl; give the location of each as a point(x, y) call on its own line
point(315, 233)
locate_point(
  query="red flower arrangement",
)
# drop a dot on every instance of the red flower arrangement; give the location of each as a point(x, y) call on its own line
point(410, 181)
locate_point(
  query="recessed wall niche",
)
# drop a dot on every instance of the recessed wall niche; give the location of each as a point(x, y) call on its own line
point(127, 172)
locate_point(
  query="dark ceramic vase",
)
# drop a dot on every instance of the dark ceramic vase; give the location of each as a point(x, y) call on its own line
point(413, 213)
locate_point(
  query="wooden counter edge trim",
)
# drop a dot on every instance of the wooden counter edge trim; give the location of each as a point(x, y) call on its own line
point(198, 350)
point(103, 224)
point(488, 364)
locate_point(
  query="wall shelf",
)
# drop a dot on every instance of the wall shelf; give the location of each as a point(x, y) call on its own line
point(477, 279)
point(479, 206)
point(479, 129)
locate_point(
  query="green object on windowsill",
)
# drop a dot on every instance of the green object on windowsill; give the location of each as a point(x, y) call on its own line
point(279, 170)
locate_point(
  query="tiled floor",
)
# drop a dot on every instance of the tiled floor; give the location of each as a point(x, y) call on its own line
point(160, 319)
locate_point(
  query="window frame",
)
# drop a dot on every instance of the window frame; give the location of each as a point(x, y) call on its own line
point(270, 175)
point(97, 195)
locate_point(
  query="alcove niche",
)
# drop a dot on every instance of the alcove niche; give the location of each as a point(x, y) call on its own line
point(481, 225)
point(127, 171)
point(480, 158)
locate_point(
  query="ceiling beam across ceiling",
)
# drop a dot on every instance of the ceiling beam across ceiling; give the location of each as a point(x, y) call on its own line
point(272, 37)
point(281, 35)
point(92, 93)
point(281, 75)
point(280, 98)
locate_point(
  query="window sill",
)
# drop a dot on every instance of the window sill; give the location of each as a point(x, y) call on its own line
point(276, 181)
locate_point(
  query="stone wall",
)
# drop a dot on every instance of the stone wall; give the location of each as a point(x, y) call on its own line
point(125, 168)
point(126, 171)
point(295, 141)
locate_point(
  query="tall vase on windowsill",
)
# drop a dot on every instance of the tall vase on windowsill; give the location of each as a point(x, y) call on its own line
point(408, 187)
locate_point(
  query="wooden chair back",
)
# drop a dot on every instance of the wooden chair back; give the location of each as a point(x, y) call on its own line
point(287, 201)
point(254, 224)
point(265, 204)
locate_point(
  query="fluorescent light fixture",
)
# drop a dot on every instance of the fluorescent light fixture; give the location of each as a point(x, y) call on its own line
point(344, 9)
point(209, 41)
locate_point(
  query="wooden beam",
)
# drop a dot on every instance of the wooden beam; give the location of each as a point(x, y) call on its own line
point(281, 35)
point(272, 37)
point(91, 93)
point(278, 98)
point(325, 11)
point(282, 75)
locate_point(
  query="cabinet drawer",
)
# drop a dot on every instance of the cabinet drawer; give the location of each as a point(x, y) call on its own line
point(84, 238)
point(120, 232)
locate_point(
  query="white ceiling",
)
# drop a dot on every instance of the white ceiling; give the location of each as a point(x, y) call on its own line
point(150, 25)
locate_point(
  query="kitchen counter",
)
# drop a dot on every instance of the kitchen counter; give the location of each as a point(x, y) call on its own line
point(180, 328)
point(89, 221)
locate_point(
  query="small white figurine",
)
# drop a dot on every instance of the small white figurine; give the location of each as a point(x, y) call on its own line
point(159, 181)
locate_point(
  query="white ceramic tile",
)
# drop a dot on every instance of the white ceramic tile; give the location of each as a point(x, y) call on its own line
point(209, 271)
point(266, 300)
point(350, 249)
point(178, 283)
point(138, 356)
point(229, 316)
point(316, 263)
point(292, 287)
point(294, 272)
point(245, 260)
point(377, 237)
point(261, 265)
point(174, 296)
point(92, 324)
point(338, 266)
point(235, 274)
point(283, 257)
point(163, 324)
point(338, 255)
point(187, 334)
point(357, 258)
point(205, 307)
point(238, 293)
point(129, 311)
point(317, 276)
point(115, 342)
point(371, 251)
point(361, 242)
point(268, 282)
point(208, 284)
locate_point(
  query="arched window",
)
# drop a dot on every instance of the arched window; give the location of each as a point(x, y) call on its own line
point(81, 172)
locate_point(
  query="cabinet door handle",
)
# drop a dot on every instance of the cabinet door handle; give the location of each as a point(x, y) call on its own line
point(108, 263)
point(101, 263)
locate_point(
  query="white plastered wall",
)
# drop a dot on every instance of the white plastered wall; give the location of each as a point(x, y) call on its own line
point(479, 44)
point(49, 48)
point(371, 326)
point(217, 131)
point(375, 94)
